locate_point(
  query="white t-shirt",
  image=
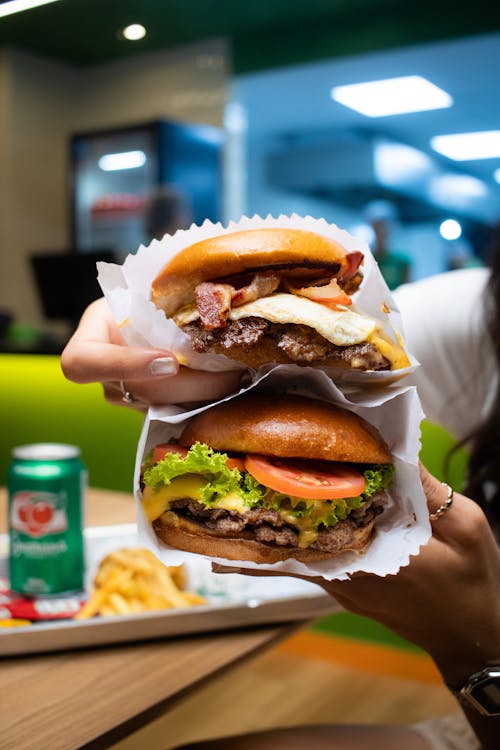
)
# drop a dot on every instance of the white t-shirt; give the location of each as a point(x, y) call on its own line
point(444, 328)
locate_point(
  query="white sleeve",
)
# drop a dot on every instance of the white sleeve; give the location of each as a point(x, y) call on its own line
point(444, 328)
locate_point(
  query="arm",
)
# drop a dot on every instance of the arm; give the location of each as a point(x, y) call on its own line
point(447, 601)
point(97, 353)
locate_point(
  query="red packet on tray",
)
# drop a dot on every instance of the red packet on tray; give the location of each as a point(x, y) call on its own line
point(265, 277)
point(37, 609)
point(401, 523)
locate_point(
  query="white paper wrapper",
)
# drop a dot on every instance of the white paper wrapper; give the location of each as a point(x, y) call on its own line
point(396, 412)
point(127, 289)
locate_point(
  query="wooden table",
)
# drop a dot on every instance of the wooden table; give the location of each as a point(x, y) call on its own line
point(92, 698)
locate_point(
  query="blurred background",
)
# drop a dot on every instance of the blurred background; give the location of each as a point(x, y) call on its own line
point(124, 119)
point(120, 121)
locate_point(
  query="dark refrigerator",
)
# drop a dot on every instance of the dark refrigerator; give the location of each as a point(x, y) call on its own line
point(116, 173)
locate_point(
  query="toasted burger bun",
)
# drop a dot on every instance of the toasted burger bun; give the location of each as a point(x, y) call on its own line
point(284, 426)
point(240, 252)
point(188, 536)
point(287, 426)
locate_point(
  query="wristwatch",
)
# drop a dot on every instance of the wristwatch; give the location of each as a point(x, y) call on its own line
point(481, 691)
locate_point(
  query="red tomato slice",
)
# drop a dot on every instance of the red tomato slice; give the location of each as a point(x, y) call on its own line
point(234, 462)
point(162, 449)
point(339, 481)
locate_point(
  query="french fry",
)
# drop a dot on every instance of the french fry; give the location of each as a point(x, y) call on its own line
point(178, 575)
point(195, 599)
point(133, 580)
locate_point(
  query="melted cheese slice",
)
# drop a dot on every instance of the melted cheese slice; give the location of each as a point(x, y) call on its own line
point(156, 502)
point(340, 327)
point(391, 351)
point(233, 501)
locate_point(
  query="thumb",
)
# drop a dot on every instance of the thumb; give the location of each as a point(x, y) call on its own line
point(97, 352)
point(437, 493)
point(94, 361)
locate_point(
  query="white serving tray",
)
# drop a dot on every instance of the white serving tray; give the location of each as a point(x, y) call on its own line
point(234, 601)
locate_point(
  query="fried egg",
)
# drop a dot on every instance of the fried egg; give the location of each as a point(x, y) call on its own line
point(341, 327)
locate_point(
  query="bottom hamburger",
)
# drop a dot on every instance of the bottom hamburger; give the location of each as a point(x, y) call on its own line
point(269, 477)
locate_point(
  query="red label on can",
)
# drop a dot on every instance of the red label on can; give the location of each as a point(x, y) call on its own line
point(38, 514)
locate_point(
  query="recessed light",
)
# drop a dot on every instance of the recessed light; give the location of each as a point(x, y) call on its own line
point(392, 96)
point(123, 160)
point(496, 175)
point(16, 6)
point(450, 229)
point(134, 32)
point(484, 144)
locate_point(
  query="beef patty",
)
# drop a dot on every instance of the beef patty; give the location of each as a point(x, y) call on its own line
point(298, 343)
point(268, 526)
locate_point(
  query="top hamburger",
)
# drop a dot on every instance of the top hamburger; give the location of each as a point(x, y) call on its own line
point(274, 295)
point(269, 477)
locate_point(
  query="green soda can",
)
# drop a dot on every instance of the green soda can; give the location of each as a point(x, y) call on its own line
point(46, 487)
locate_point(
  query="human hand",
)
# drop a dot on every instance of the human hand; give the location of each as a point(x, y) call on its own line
point(97, 353)
point(447, 600)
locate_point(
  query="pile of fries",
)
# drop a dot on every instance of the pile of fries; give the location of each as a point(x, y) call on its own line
point(133, 580)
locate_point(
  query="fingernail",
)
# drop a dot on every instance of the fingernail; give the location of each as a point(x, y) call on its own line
point(163, 366)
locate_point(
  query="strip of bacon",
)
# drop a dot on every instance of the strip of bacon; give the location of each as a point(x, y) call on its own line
point(214, 300)
point(214, 303)
point(262, 285)
point(353, 261)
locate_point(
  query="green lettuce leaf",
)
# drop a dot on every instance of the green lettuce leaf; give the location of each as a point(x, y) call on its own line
point(377, 478)
point(222, 481)
point(200, 459)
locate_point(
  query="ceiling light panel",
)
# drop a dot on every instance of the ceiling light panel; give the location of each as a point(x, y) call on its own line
point(457, 186)
point(16, 6)
point(392, 96)
point(484, 144)
point(398, 164)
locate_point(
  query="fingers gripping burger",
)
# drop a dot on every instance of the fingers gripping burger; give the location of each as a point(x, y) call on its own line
point(274, 295)
point(269, 477)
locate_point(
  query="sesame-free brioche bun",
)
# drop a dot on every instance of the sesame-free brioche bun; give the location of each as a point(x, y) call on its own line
point(287, 426)
point(241, 252)
point(185, 535)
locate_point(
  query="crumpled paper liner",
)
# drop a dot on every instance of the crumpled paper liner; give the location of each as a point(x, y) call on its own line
point(396, 412)
point(127, 289)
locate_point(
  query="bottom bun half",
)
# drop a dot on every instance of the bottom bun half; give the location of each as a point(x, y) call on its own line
point(188, 536)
